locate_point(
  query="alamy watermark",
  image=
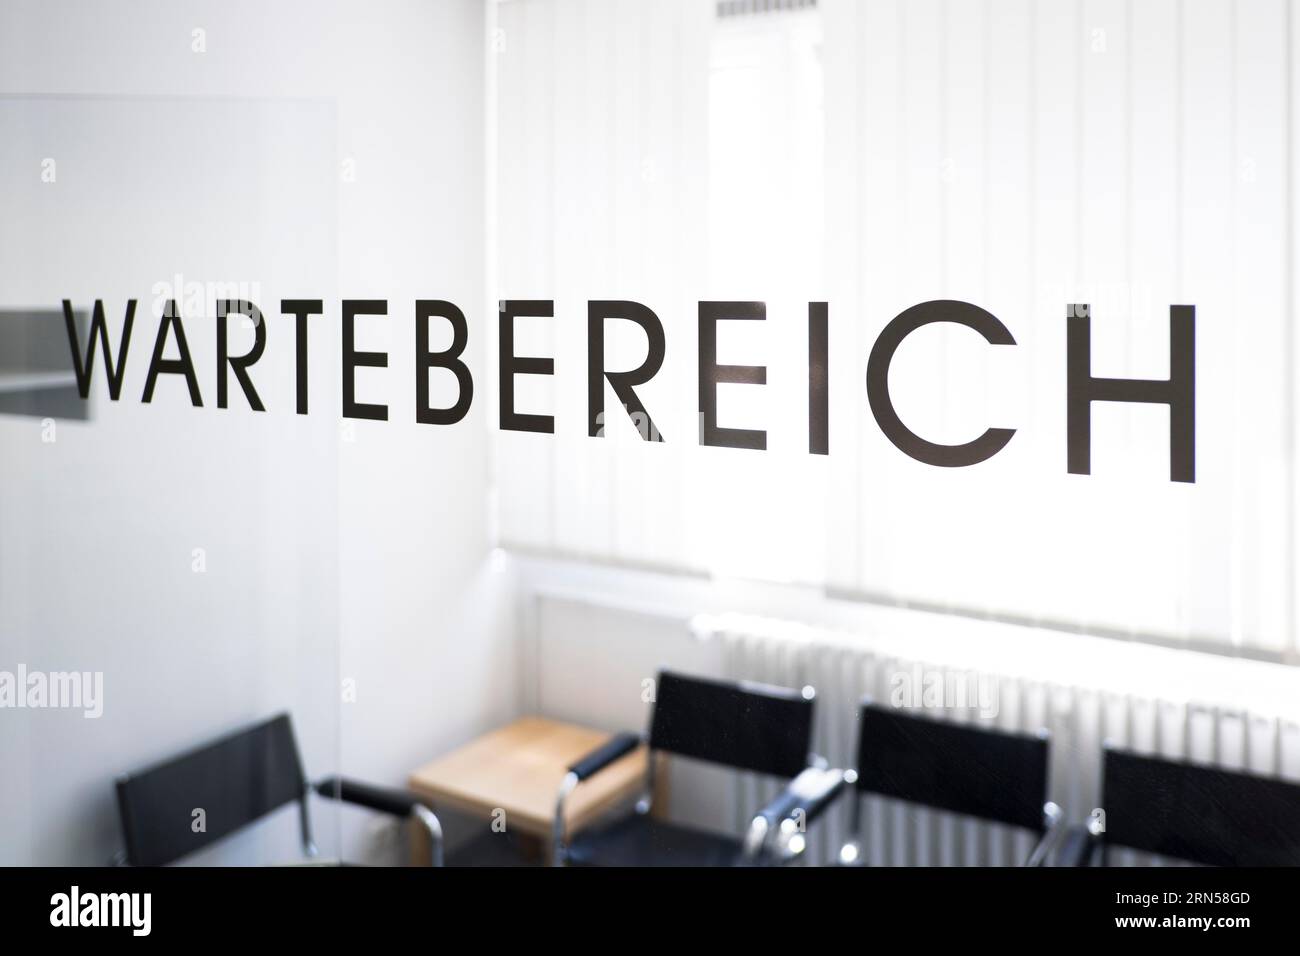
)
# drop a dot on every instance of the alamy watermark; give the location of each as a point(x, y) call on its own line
point(943, 689)
point(53, 690)
point(197, 299)
point(133, 911)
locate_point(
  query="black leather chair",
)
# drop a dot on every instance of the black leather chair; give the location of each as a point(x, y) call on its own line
point(746, 726)
point(1191, 812)
point(236, 781)
point(962, 768)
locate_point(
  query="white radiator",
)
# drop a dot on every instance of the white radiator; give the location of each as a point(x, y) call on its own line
point(1224, 711)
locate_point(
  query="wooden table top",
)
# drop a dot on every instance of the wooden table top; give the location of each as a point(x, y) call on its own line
point(518, 768)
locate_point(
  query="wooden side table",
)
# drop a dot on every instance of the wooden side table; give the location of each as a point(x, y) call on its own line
point(518, 769)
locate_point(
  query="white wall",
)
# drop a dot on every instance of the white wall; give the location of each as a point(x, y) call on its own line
point(330, 555)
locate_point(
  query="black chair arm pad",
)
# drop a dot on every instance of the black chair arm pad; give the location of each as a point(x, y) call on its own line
point(391, 800)
point(812, 791)
point(620, 745)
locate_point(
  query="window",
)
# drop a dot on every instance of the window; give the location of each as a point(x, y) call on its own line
point(879, 155)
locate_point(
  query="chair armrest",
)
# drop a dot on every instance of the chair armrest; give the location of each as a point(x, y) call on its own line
point(620, 745)
point(775, 832)
point(812, 791)
point(390, 800)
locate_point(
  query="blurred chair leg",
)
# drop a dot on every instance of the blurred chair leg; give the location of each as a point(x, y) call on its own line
point(426, 837)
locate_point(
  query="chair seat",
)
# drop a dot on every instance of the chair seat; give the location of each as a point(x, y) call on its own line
point(641, 840)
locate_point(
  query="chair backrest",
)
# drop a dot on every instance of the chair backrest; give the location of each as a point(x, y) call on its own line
point(1197, 813)
point(981, 772)
point(235, 781)
point(740, 724)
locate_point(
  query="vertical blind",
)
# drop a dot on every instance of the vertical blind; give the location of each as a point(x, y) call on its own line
point(875, 154)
